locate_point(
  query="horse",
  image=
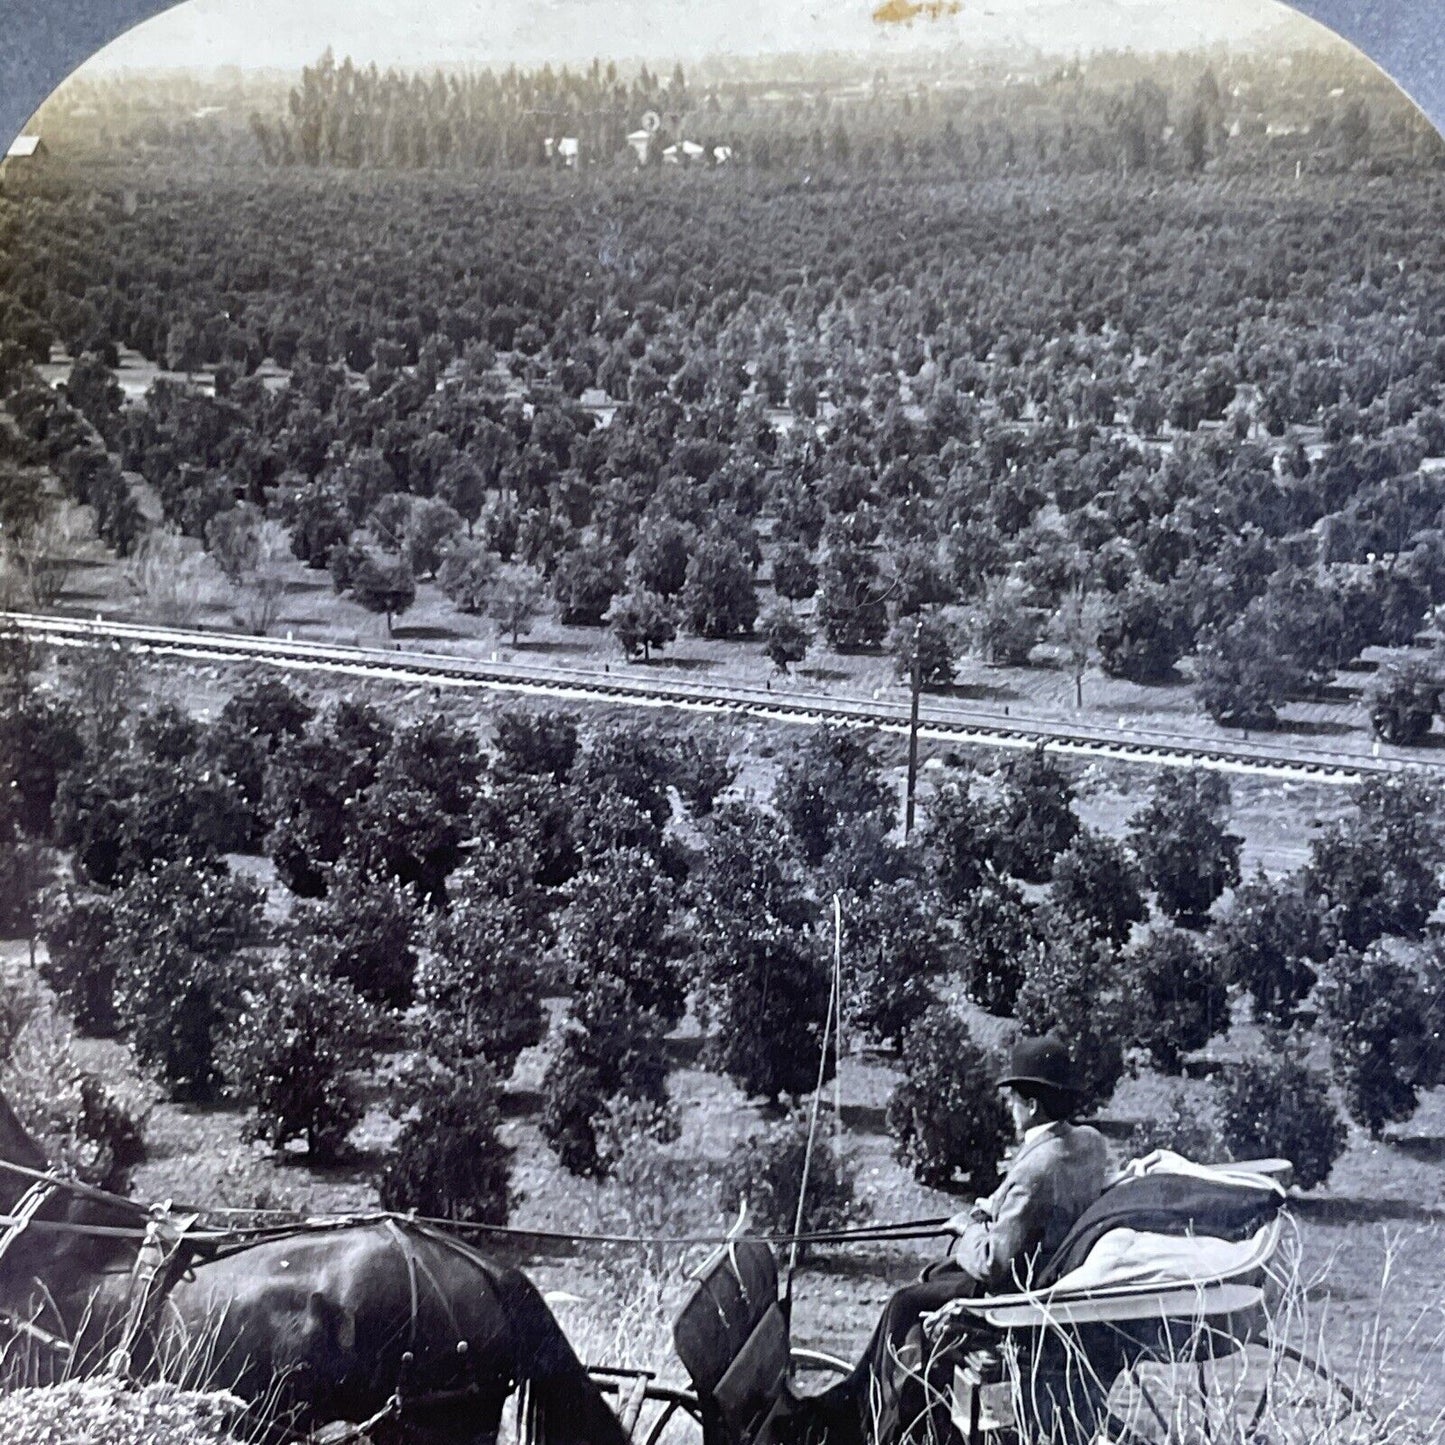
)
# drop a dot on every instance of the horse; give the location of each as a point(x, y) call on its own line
point(381, 1322)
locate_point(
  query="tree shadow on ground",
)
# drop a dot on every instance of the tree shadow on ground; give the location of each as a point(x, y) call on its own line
point(1431, 742)
point(521, 1103)
point(871, 1118)
point(539, 648)
point(823, 674)
point(974, 692)
point(678, 664)
point(294, 621)
point(425, 632)
point(684, 1053)
point(1306, 728)
point(1427, 1148)
point(1344, 1209)
point(359, 1165)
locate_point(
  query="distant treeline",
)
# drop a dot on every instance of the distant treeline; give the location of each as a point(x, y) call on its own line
point(1117, 114)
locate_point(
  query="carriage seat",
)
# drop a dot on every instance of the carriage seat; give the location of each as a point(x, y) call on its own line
point(1168, 1245)
point(1165, 1197)
point(1164, 1222)
point(732, 1338)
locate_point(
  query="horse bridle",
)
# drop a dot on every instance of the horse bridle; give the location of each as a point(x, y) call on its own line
point(398, 1237)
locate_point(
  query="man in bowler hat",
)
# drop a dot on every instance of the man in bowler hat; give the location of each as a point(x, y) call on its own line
point(1059, 1169)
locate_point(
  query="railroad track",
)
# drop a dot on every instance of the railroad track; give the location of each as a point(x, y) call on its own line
point(937, 721)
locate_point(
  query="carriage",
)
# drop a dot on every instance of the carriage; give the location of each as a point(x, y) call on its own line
point(1152, 1326)
point(1160, 1321)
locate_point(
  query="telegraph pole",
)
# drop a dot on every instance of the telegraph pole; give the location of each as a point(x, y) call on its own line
point(916, 687)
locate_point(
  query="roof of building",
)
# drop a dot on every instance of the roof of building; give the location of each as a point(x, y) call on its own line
point(25, 145)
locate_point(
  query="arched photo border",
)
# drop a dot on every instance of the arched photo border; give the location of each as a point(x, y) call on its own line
point(44, 41)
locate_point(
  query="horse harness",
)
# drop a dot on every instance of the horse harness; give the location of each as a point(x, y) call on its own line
point(31, 1202)
point(167, 1248)
point(159, 1256)
point(159, 1259)
point(345, 1432)
point(398, 1237)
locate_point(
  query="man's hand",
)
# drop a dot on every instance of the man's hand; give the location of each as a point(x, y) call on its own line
point(959, 1223)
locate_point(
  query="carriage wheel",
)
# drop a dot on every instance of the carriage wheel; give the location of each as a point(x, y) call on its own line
point(677, 1404)
point(635, 1390)
point(682, 1402)
point(817, 1361)
point(1252, 1392)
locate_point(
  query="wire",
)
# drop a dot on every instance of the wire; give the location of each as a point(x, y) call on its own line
point(904, 1230)
point(298, 1223)
point(813, 1114)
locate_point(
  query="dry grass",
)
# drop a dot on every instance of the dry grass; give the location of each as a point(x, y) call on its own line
point(1294, 1381)
point(107, 1411)
point(1268, 1376)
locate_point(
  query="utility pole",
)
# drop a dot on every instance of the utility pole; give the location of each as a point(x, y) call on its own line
point(916, 686)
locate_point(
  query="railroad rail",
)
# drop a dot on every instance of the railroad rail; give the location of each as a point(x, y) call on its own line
point(938, 721)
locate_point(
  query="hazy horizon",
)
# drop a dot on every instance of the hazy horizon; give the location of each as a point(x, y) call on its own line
point(206, 35)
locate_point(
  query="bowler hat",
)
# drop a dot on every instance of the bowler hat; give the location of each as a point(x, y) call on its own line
point(1041, 1061)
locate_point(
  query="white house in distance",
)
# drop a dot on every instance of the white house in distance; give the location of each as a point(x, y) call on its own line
point(27, 147)
point(567, 149)
point(25, 157)
point(684, 153)
point(641, 143)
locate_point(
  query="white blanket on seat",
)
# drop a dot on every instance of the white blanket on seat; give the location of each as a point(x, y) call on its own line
point(1125, 1257)
point(1166, 1161)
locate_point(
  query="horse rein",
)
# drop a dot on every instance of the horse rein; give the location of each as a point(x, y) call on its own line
point(19, 1220)
point(928, 1228)
point(243, 1236)
point(158, 1245)
point(73, 1186)
point(31, 1202)
point(45, 1184)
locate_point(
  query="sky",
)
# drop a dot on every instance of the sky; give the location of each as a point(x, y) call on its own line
point(263, 34)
